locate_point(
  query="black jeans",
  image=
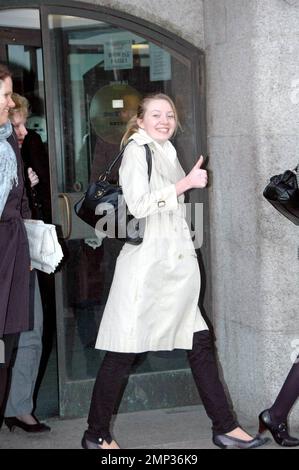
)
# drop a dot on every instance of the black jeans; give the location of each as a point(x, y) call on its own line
point(116, 366)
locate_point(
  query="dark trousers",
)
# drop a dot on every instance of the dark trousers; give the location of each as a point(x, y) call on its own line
point(116, 366)
point(287, 396)
point(10, 348)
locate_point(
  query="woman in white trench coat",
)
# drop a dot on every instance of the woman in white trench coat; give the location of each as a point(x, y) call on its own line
point(153, 301)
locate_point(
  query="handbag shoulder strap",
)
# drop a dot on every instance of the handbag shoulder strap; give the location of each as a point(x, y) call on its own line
point(120, 154)
point(114, 162)
point(149, 160)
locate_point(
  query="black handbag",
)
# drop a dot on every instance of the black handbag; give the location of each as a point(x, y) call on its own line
point(104, 208)
point(283, 193)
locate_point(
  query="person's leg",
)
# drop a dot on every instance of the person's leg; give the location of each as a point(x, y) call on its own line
point(107, 389)
point(3, 383)
point(3, 389)
point(226, 430)
point(24, 373)
point(204, 369)
point(10, 344)
point(275, 418)
point(287, 395)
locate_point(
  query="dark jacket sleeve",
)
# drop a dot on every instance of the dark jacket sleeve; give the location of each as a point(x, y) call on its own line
point(35, 155)
point(25, 208)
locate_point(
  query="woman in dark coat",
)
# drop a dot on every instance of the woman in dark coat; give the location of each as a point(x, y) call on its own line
point(14, 251)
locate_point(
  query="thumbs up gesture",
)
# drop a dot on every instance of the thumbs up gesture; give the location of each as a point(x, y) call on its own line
point(198, 178)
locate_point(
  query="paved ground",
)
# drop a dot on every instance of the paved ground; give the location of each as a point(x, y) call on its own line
point(177, 428)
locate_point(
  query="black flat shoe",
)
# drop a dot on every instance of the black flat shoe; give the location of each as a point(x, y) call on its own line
point(13, 423)
point(226, 442)
point(279, 431)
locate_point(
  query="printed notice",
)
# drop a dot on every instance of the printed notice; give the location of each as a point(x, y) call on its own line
point(160, 64)
point(118, 55)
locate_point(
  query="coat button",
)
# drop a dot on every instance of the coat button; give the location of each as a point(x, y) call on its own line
point(161, 203)
point(180, 256)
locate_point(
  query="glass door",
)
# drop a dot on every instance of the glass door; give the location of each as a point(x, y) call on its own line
point(96, 74)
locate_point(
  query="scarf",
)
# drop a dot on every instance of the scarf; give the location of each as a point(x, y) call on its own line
point(8, 165)
point(167, 163)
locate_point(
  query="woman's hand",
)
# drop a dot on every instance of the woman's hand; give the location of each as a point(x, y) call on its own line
point(197, 178)
point(34, 180)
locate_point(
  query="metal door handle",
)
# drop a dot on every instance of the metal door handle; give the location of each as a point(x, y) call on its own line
point(66, 216)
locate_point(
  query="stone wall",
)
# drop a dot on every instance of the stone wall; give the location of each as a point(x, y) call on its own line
point(181, 17)
point(252, 52)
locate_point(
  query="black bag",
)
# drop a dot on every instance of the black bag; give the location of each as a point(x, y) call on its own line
point(283, 193)
point(104, 208)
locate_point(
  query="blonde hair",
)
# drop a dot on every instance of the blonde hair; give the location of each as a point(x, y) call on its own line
point(21, 105)
point(132, 125)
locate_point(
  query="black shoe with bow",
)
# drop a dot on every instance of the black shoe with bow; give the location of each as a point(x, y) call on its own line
point(13, 423)
point(279, 431)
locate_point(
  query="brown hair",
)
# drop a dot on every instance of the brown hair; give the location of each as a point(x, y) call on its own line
point(132, 125)
point(21, 105)
point(4, 72)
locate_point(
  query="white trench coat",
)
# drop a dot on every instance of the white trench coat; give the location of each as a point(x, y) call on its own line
point(152, 304)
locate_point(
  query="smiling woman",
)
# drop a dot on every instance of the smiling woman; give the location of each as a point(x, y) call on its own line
point(14, 253)
point(153, 300)
point(8, 162)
